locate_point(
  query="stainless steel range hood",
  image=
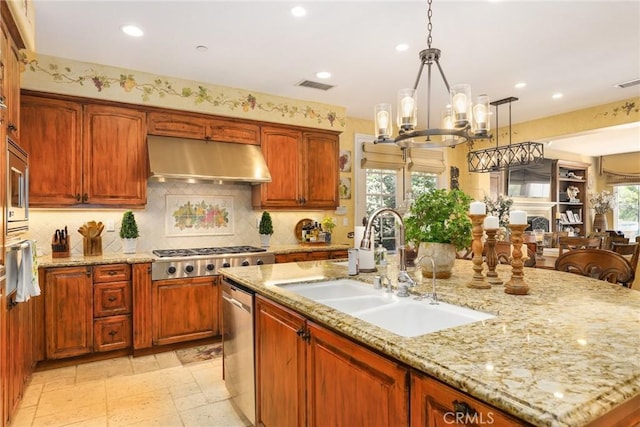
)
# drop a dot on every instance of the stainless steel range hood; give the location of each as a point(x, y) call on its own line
point(194, 160)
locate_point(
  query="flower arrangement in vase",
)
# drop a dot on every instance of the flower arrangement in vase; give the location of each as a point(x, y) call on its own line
point(328, 224)
point(500, 207)
point(603, 201)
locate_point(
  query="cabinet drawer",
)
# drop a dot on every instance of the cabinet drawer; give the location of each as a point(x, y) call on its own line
point(112, 333)
point(228, 131)
point(111, 273)
point(111, 298)
point(179, 125)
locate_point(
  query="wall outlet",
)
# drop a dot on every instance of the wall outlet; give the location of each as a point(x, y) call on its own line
point(111, 225)
point(345, 222)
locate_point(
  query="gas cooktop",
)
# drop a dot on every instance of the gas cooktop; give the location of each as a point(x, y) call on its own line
point(222, 250)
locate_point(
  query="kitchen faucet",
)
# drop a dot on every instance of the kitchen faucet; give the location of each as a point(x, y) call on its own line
point(433, 297)
point(404, 280)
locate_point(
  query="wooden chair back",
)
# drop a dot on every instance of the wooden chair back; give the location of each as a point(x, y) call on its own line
point(503, 252)
point(572, 243)
point(597, 263)
point(631, 251)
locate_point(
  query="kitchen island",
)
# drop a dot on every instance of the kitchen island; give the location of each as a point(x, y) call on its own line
point(567, 354)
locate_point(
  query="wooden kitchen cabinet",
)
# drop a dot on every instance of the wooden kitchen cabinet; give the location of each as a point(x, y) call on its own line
point(142, 318)
point(306, 373)
point(68, 312)
point(311, 256)
point(10, 83)
point(202, 127)
point(303, 167)
point(435, 404)
point(112, 305)
point(83, 153)
point(185, 309)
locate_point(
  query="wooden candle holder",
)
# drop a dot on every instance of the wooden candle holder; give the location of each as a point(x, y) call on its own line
point(478, 281)
point(516, 284)
point(492, 257)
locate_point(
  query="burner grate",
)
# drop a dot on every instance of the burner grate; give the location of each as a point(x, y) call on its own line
point(222, 250)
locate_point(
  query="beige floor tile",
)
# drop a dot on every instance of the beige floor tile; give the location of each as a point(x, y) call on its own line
point(141, 407)
point(24, 416)
point(144, 364)
point(168, 359)
point(104, 369)
point(190, 401)
point(147, 382)
point(72, 414)
point(31, 395)
point(93, 422)
point(172, 420)
point(53, 375)
point(213, 414)
point(183, 390)
point(80, 395)
point(59, 383)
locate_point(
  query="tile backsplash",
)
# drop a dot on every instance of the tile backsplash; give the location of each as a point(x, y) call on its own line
point(151, 221)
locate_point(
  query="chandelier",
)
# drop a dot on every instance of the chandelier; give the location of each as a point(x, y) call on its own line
point(464, 120)
point(501, 158)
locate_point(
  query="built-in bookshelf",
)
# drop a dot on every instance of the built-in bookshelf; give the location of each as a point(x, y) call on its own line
point(569, 194)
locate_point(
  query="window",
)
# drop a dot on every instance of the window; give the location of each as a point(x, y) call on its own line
point(385, 178)
point(626, 215)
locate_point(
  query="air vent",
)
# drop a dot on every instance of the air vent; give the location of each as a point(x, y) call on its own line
point(628, 84)
point(314, 85)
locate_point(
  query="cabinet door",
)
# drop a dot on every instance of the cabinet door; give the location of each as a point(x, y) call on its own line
point(282, 151)
point(341, 373)
point(178, 125)
point(320, 182)
point(185, 309)
point(51, 134)
point(230, 131)
point(280, 366)
point(114, 159)
point(12, 89)
point(68, 312)
point(142, 313)
point(434, 404)
point(112, 333)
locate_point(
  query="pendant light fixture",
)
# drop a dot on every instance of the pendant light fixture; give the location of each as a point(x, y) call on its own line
point(502, 158)
point(464, 120)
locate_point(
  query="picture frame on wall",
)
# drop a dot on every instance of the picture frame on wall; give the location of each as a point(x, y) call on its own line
point(345, 161)
point(197, 215)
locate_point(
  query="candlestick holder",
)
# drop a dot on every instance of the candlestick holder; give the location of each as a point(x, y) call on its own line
point(478, 281)
point(492, 257)
point(516, 284)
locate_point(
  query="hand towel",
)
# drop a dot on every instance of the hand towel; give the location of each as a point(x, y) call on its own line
point(28, 285)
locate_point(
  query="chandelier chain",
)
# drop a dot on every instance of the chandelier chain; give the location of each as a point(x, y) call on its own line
point(429, 24)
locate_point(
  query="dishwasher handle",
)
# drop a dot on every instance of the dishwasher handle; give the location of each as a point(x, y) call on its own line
point(237, 303)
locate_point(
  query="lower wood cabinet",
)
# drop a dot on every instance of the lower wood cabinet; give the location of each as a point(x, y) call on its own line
point(185, 309)
point(309, 375)
point(112, 333)
point(311, 256)
point(435, 404)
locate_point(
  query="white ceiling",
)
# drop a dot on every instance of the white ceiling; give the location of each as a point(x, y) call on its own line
point(579, 48)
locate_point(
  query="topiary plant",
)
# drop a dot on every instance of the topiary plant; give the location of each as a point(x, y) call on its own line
point(129, 228)
point(266, 226)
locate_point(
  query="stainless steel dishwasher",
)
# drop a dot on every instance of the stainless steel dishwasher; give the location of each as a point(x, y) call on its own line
point(238, 347)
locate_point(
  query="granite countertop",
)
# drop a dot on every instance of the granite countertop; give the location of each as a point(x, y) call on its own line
point(306, 247)
point(563, 355)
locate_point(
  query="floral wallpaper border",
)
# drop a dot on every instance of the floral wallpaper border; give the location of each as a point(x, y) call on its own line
point(197, 93)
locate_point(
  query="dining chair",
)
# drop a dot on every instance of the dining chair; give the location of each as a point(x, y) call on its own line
point(575, 242)
point(600, 264)
point(503, 252)
point(631, 251)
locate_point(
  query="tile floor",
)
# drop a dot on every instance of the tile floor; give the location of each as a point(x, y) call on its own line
point(154, 390)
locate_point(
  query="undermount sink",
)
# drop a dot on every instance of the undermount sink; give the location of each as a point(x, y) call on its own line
point(407, 317)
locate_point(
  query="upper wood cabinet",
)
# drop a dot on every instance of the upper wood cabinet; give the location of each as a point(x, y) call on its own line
point(303, 167)
point(84, 154)
point(202, 127)
point(11, 84)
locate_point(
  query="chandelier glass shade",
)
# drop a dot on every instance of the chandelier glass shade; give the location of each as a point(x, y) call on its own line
point(504, 157)
point(463, 120)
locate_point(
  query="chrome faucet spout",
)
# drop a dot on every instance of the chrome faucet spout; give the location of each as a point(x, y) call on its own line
point(434, 295)
point(404, 280)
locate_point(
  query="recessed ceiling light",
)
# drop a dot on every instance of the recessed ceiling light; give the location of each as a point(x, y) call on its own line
point(298, 11)
point(557, 96)
point(323, 74)
point(520, 85)
point(132, 30)
point(202, 48)
point(402, 47)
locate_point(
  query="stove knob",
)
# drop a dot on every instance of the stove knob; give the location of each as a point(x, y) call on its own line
point(189, 268)
point(210, 267)
point(171, 270)
point(245, 262)
point(226, 264)
point(260, 262)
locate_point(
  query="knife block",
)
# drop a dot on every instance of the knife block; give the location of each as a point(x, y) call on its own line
point(92, 246)
point(59, 250)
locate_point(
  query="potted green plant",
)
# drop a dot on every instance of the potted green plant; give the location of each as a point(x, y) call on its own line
point(129, 233)
point(328, 224)
point(438, 224)
point(265, 229)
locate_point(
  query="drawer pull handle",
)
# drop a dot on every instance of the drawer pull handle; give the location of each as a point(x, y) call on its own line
point(112, 333)
point(112, 299)
point(112, 272)
point(463, 408)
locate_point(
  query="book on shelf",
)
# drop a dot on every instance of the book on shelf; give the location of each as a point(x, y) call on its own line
point(565, 218)
point(570, 215)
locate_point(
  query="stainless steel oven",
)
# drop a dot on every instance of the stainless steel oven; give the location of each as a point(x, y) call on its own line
point(17, 215)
